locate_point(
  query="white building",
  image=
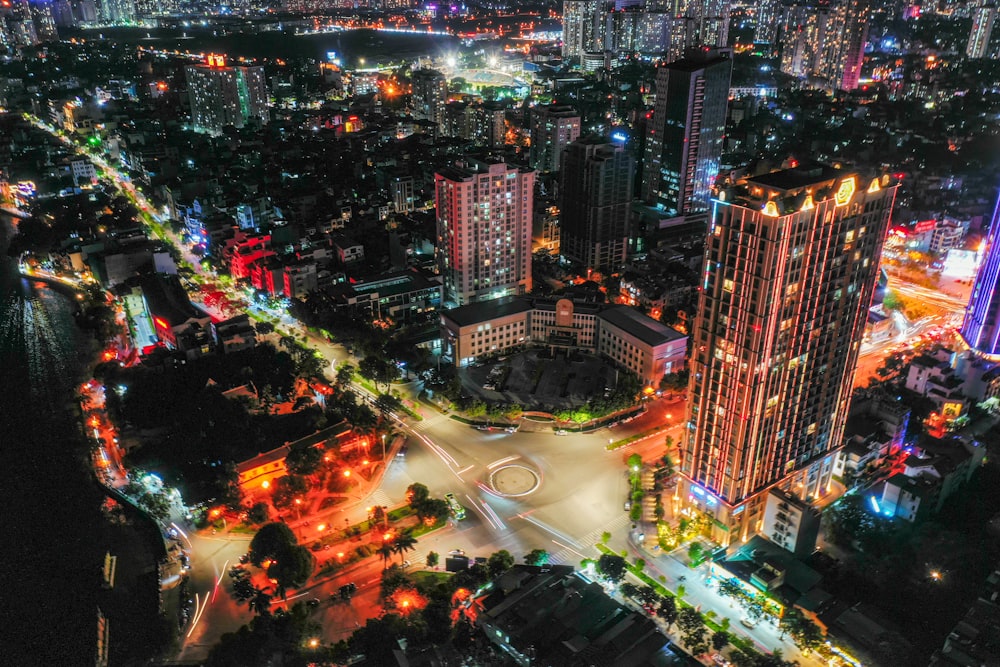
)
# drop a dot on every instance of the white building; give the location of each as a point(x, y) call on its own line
point(223, 96)
point(484, 213)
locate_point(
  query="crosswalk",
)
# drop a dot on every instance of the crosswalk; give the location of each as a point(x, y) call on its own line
point(380, 498)
point(570, 556)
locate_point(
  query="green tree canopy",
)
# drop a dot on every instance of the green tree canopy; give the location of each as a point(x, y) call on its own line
point(271, 541)
point(612, 567)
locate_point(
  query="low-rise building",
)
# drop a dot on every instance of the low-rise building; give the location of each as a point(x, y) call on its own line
point(234, 334)
point(790, 523)
point(876, 426)
point(399, 295)
point(178, 323)
point(935, 470)
point(631, 340)
point(552, 615)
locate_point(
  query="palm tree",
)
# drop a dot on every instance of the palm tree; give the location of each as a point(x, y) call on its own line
point(385, 550)
point(379, 516)
point(405, 541)
point(260, 603)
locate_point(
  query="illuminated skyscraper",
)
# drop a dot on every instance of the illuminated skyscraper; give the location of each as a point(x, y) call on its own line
point(981, 326)
point(484, 211)
point(583, 27)
point(791, 261)
point(222, 96)
point(595, 200)
point(823, 42)
point(982, 29)
point(684, 136)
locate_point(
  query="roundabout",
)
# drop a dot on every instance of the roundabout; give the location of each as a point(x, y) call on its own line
point(514, 480)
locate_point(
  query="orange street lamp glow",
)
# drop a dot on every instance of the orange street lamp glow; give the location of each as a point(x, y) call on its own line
point(298, 501)
point(340, 554)
point(321, 527)
point(313, 643)
point(387, 537)
point(266, 484)
point(347, 473)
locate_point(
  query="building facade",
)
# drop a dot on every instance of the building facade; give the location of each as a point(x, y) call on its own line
point(553, 128)
point(484, 211)
point(982, 29)
point(582, 27)
point(685, 135)
point(632, 341)
point(981, 326)
point(430, 94)
point(824, 43)
point(595, 202)
point(223, 96)
point(791, 261)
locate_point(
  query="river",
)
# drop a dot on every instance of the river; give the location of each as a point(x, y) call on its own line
point(52, 504)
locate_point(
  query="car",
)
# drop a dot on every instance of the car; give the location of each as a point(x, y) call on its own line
point(406, 564)
point(748, 623)
point(457, 552)
point(720, 660)
point(401, 452)
point(511, 429)
point(245, 558)
point(561, 432)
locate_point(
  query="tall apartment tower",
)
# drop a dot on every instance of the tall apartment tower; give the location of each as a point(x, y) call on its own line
point(791, 262)
point(484, 211)
point(553, 127)
point(583, 23)
point(684, 137)
point(981, 326)
point(595, 201)
point(982, 30)
point(430, 95)
point(824, 42)
point(222, 96)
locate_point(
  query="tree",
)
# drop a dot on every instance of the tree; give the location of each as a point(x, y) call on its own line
point(803, 630)
point(536, 557)
point(688, 619)
point(287, 488)
point(379, 370)
point(416, 494)
point(393, 578)
point(303, 459)
point(695, 553)
point(667, 610)
point(499, 562)
point(386, 551)
point(345, 373)
point(260, 602)
point(696, 640)
point(432, 559)
point(271, 541)
point(720, 640)
point(612, 567)
point(258, 513)
point(292, 569)
point(433, 508)
point(403, 543)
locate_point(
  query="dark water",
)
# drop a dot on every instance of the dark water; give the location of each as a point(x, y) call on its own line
point(51, 506)
point(351, 45)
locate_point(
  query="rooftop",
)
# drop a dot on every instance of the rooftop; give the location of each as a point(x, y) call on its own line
point(644, 328)
point(474, 313)
point(814, 173)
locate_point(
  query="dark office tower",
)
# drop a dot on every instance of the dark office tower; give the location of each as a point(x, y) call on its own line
point(684, 136)
point(981, 327)
point(791, 261)
point(595, 198)
point(430, 95)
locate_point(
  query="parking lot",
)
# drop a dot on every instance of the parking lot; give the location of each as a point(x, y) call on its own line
point(535, 380)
